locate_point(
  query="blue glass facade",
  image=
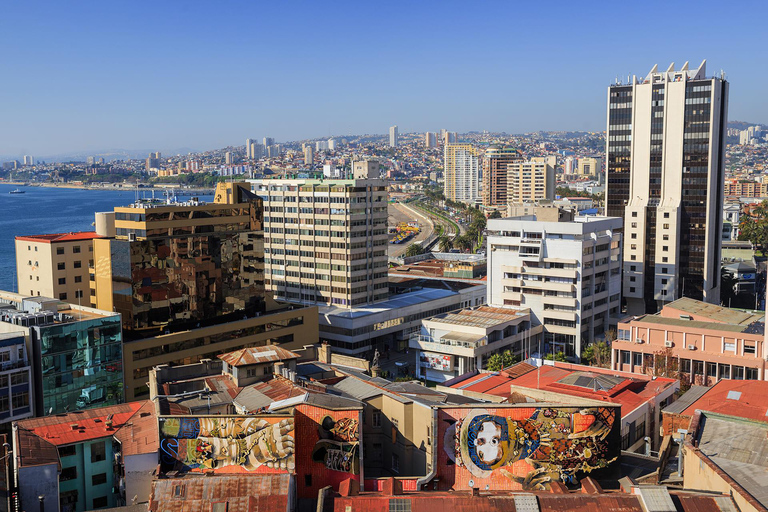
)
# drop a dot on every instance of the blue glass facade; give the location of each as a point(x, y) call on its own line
point(15, 378)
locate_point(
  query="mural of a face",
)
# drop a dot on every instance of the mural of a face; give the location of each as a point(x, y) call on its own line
point(487, 442)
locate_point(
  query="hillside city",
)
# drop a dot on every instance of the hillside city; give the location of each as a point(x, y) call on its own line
point(555, 320)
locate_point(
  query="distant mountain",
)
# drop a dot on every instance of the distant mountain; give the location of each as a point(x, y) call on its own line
point(743, 125)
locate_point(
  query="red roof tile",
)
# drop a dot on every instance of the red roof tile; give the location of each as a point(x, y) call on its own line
point(61, 237)
point(741, 398)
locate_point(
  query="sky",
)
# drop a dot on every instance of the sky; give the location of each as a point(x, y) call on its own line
point(160, 75)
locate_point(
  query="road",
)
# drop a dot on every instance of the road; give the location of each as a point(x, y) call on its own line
point(399, 212)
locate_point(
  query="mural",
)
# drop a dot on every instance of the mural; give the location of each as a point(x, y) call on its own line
point(527, 448)
point(338, 445)
point(214, 443)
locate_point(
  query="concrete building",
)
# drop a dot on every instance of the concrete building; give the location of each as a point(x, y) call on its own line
point(732, 218)
point(366, 169)
point(455, 343)
point(496, 174)
point(29, 160)
point(450, 137)
point(268, 141)
point(325, 240)
point(393, 136)
point(530, 181)
point(430, 140)
point(16, 379)
point(86, 460)
point(228, 158)
point(590, 166)
point(461, 173)
point(188, 281)
point(309, 155)
point(75, 352)
point(665, 169)
point(708, 342)
point(55, 265)
point(564, 269)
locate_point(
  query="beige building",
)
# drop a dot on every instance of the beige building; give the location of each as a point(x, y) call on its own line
point(530, 181)
point(55, 265)
point(325, 241)
point(590, 166)
point(461, 173)
point(309, 155)
point(366, 169)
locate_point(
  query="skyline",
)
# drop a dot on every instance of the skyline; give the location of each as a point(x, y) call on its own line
point(91, 77)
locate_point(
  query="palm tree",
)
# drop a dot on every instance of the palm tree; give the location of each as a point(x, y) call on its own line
point(464, 243)
point(414, 250)
point(445, 243)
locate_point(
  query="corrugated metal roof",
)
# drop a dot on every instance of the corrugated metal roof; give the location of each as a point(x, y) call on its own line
point(239, 493)
point(689, 397)
point(257, 355)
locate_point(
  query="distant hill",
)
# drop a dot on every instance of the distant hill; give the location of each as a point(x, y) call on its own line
point(743, 125)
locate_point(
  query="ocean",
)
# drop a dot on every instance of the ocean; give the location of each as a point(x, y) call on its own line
point(42, 210)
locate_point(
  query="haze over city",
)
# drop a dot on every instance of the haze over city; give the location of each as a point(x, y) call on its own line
point(94, 76)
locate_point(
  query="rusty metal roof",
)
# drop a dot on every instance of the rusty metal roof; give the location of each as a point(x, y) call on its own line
point(221, 493)
point(257, 355)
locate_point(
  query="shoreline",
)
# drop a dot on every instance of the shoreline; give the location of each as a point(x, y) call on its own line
point(120, 188)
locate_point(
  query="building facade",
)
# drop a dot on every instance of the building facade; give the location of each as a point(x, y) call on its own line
point(430, 139)
point(55, 265)
point(707, 343)
point(495, 174)
point(461, 173)
point(393, 136)
point(16, 379)
point(590, 166)
point(325, 241)
point(565, 270)
point(665, 169)
point(530, 181)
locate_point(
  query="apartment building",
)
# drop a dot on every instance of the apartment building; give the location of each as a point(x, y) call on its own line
point(564, 269)
point(325, 240)
point(393, 136)
point(55, 265)
point(745, 188)
point(15, 379)
point(430, 139)
point(495, 174)
point(665, 170)
point(709, 342)
point(590, 166)
point(530, 181)
point(461, 173)
point(452, 344)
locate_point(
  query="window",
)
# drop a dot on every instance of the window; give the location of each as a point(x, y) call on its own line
point(308, 480)
point(711, 369)
point(76, 249)
point(634, 236)
point(634, 214)
point(395, 463)
point(59, 250)
point(663, 281)
point(749, 349)
point(99, 479)
point(98, 452)
point(634, 224)
point(376, 419)
point(19, 378)
point(100, 502)
point(19, 400)
point(61, 266)
point(78, 279)
point(78, 264)
point(62, 296)
point(730, 347)
point(640, 430)
point(399, 505)
point(664, 259)
point(3, 403)
point(663, 270)
point(67, 451)
point(666, 226)
point(625, 354)
point(68, 474)
point(62, 280)
point(665, 248)
point(632, 289)
point(666, 215)
point(633, 268)
point(637, 358)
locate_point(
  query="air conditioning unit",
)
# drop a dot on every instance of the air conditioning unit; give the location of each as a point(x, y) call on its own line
point(638, 340)
point(691, 347)
point(668, 344)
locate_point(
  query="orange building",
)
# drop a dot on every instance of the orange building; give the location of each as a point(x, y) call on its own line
point(710, 342)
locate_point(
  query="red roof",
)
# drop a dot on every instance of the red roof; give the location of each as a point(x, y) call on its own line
point(61, 237)
point(279, 388)
point(741, 398)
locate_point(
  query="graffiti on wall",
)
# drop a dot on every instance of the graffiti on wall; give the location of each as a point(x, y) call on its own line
point(338, 446)
point(530, 452)
point(214, 443)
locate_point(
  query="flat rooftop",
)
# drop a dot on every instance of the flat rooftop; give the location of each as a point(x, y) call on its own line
point(714, 312)
point(60, 237)
point(483, 317)
point(413, 298)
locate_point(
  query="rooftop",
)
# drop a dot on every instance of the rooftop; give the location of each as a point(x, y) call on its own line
point(740, 398)
point(413, 298)
point(60, 237)
point(257, 355)
point(230, 493)
point(483, 317)
point(712, 312)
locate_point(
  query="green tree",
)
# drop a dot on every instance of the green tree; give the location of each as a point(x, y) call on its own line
point(597, 354)
point(559, 356)
point(445, 244)
point(496, 214)
point(414, 250)
point(464, 243)
point(498, 362)
point(754, 226)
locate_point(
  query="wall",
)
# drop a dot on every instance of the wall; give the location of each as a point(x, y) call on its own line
point(37, 481)
point(138, 476)
point(329, 448)
point(522, 447)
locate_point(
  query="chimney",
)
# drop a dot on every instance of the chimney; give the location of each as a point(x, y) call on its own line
point(324, 353)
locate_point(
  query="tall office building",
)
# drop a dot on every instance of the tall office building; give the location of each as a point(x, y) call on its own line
point(665, 169)
point(430, 140)
point(332, 144)
point(495, 163)
point(393, 136)
point(530, 181)
point(461, 173)
point(325, 240)
point(309, 155)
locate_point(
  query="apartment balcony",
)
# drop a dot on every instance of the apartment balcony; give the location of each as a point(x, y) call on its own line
point(560, 315)
point(459, 344)
point(516, 296)
point(559, 301)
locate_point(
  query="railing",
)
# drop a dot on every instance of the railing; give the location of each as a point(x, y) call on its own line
point(420, 338)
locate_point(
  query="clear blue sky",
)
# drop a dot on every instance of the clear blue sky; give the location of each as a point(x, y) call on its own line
point(87, 76)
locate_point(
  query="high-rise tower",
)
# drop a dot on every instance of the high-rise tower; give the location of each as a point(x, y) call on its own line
point(495, 163)
point(665, 167)
point(461, 172)
point(393, 136)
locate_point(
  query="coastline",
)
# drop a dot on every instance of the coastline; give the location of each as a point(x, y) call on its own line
point(117, 188)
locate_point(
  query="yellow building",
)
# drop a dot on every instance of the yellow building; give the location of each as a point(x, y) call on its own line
point(589, 166)
point(461, 173)
point(530, 181)
point(55, 265)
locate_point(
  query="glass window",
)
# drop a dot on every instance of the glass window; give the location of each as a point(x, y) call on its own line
point(376, 419)
point(625, 355)
point(98, 451)
point(99, 479)
point(68, 474)
point(638, 358)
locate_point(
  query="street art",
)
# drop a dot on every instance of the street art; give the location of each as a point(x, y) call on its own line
point(338, 446)
point(215, 443)
point(529, 448)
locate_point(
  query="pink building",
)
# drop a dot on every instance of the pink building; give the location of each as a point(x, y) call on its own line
point(711, 342)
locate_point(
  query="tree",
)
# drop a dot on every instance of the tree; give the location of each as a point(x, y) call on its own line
point(464, 243)
point(445, 244)
point(754, 226)
point(597, 354)
point(496, 214)
point(498, 362)
point(414, 250)
point(559, 356)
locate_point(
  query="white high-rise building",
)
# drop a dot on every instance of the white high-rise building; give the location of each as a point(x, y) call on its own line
point(665, 171)
point(461, 173)
point(268, 141)
point(332, 144)
point(430, 140)
point(565, 269)
point(28, 160)
point(321, 145)
point(248, 143)
point(393, 136)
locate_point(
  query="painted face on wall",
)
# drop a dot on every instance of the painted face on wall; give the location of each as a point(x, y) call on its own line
point(487, 442)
